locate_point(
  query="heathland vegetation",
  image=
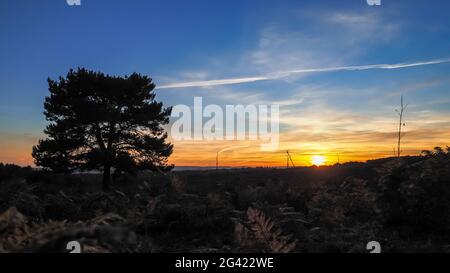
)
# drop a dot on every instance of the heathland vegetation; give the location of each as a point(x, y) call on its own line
point(403, 203)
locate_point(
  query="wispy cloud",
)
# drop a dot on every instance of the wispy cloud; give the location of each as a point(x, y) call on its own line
point(283, 74)
point(212, 82)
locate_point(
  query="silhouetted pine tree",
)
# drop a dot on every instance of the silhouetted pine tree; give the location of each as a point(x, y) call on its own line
point(99, 121)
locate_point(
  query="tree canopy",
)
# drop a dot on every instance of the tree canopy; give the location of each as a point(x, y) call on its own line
point(99, 122)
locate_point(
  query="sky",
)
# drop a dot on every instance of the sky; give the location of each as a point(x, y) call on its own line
point(337, 69)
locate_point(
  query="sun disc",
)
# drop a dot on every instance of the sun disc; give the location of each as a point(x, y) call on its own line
point(318, 160)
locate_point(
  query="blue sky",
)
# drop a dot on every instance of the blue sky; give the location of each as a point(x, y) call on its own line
point(185, 41)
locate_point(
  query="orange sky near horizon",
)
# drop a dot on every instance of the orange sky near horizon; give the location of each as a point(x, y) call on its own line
point(304, 132)
point(17, 150)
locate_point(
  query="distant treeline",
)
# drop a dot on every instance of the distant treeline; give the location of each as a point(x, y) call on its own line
point(12, 170)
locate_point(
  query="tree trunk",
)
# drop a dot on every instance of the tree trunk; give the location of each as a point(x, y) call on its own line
point(106, 177)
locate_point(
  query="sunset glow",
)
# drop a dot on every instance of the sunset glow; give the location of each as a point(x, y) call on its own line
point(334, 75)
point(318, 160)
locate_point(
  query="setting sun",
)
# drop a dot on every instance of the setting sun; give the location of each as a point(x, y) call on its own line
point(318, 160)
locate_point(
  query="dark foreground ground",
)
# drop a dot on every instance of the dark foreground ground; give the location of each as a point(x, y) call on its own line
point(403, 204)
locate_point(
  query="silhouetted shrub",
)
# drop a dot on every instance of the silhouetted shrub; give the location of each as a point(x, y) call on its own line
point(417, 196)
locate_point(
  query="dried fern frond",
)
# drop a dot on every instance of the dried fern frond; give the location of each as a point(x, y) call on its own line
point(13, 228)
point(265, 232)
point(177, 184)
point(242, 235)
point(16, 235)
point(107, 219)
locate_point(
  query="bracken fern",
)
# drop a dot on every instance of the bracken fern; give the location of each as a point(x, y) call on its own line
point(263, 230)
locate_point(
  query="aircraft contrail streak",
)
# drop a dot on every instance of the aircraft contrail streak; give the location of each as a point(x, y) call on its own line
point(283, 74)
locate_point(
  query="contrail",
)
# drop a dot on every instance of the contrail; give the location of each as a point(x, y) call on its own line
point(283, 74)
point(231, 148)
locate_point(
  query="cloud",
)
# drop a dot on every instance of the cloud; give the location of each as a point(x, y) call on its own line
point(212, 82)
point(283, 74)
point(232, 148)
point(353, 118)
point(281, 49)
